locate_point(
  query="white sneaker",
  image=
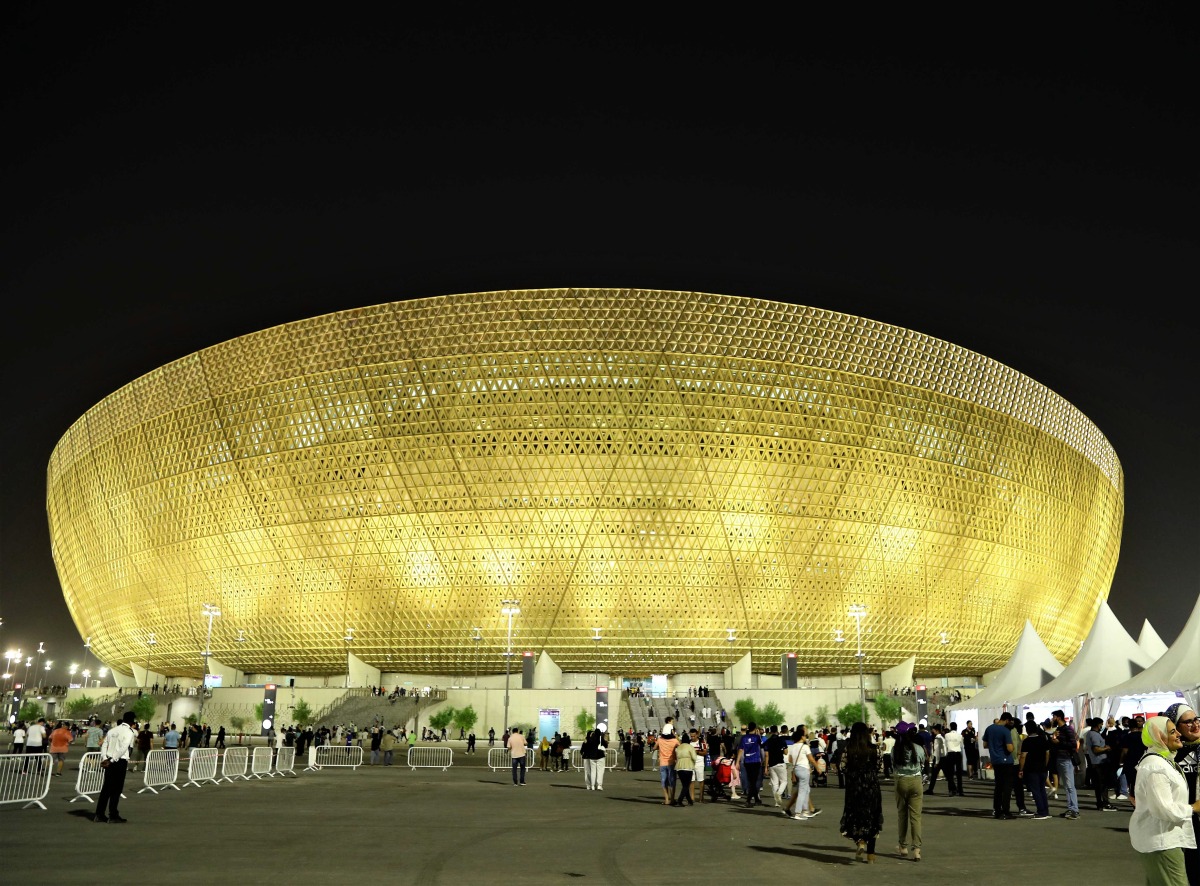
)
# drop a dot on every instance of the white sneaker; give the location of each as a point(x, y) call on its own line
point(1121, 797)
point(803, 816)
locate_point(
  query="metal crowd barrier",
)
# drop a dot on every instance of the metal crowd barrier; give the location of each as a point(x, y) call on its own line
point(202, 767)
point(285, 762)
point(334, 755)
point(431, 758)
point(234, 764)
point(500, 758)
point(162, 769)
point(610, 758)
point(90, 779)
point(260, 763)
point(24, 778)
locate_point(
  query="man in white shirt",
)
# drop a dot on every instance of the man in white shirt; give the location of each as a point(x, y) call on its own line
point(35, 743)
point(114, 757)
point(953, 764)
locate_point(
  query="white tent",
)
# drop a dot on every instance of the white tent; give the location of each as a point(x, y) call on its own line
point(1149, 640)
point(1175, 675)
point(1108, 656)
point(1030, 667)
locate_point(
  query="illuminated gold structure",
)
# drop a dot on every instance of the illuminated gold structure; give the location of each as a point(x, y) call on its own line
point(665, 481)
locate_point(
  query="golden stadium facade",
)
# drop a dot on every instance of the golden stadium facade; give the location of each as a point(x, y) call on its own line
point(665, 481)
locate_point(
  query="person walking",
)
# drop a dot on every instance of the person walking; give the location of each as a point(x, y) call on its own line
point(862, 818)
point(750, 754)
point(685, 768)
point(61, 740)
point(907, 759)
point(114, 759)
point(664, 746)
point(801, 764)
point(1065, 745)
point(1161, 825)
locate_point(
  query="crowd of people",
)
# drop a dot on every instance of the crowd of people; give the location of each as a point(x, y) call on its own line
point(1152, 765)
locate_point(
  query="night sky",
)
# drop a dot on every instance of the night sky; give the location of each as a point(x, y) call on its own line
point(1025, 188)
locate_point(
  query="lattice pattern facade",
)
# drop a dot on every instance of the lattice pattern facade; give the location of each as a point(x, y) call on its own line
point(688, 476)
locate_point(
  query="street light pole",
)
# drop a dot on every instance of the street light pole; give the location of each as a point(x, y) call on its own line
point(349, 638)
point(509, 609)
point(150, 644)
point(210, 612)
point(857, 611)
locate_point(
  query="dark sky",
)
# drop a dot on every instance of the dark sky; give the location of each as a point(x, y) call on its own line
point(1023, 187)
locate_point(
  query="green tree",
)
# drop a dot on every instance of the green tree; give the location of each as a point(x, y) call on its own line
point(301, 713)
point(258, 711)
point(465, 718)
point(584, 721)
point(30, 711)
point(80, 705)
point(745, 711)
point(770, 715)
point(193, 718)
point(888, 708)
point(442, 718)
point(821, 717)
point(144, 708)
point(851, 714)
point(238, 724)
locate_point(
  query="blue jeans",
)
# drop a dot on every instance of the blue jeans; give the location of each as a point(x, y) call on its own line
point(518, 764)
point(1066, 779)
point(1036, 782)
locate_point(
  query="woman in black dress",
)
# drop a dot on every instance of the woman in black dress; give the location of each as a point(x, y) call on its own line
point(862, 819)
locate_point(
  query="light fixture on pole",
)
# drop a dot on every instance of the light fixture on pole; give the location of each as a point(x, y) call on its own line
point(100, 676)
point(476, 639)
point(509, 608)
point(41, 648)
point(46, 679)
point(349, 638)
point(150, 644)
point(71, 672)
point(597, 638)
point(209, 611)
point(25, 681)
point(857, 611)
point(87, 678)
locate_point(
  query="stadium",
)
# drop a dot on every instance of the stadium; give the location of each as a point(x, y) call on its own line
point(663, 482)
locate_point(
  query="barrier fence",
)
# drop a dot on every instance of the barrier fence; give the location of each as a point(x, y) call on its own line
point(24, 779)
point(431, 758)
point(334, 755)
point(260, 763)
point(500, 758)
point(90, 779)
point(234, 764)
point(162, 769)
point(285, 762)
point(202, 767)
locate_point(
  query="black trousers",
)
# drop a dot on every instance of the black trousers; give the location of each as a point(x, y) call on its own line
point(114, 783)
point(1005, 774)
point(952, 767)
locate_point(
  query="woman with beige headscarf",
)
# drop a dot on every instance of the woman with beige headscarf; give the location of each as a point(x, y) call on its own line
point(1161, 826)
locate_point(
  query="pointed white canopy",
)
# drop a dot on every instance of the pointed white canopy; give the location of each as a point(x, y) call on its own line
point(1176, 670)
point(1108, 656)
point(1030, 667)
point(1149, 640)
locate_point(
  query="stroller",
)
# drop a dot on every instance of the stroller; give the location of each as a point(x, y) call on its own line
point(722, 775)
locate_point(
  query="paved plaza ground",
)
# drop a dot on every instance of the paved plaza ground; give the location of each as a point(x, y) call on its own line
point(471, 825)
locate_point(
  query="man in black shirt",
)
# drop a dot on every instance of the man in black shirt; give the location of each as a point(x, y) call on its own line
point(777, 764)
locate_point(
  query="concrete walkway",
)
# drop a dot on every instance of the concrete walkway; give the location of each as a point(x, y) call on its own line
point(471, 825)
